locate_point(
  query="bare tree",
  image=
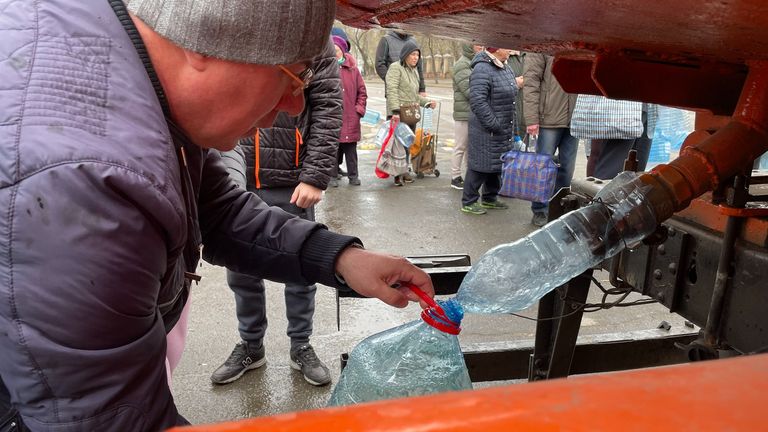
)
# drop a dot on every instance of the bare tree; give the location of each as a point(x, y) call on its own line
point(360, 39)
point(431, 43)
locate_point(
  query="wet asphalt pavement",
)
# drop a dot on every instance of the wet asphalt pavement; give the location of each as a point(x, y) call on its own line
point(420, 218)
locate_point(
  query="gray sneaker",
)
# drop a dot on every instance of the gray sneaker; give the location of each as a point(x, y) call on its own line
point(539, 219)
point(305, 360)
point(242, 359)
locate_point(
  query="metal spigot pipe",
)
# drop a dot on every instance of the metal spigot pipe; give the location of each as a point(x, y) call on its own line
point(705, 166)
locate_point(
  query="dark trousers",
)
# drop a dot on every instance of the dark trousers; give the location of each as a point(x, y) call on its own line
point(249, 290)
point(606, 158)
point(348, 150)
point(474, 180)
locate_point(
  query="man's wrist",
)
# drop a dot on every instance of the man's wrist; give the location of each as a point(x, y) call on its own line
point(339, 278)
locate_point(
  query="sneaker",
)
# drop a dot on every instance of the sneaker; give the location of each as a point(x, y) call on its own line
point(242, 359)
point(342, 173)
point(495, 205)
point(305, 360)
point(473, 208)
point(354, 181)
point(457, 183)
point(407, 178)
point(539, 219)
point(333, 183)
point(398, 181)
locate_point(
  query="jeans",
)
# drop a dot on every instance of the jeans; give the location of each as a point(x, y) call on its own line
point(560, 139)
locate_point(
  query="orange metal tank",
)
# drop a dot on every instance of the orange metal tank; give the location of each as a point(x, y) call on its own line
point(709, 396)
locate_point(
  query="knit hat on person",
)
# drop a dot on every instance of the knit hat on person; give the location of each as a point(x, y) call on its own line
point(338, 31)
point(491, 49)
point(341, 43)
point(247, 31)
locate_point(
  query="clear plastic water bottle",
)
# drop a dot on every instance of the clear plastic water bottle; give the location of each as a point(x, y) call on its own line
point(512, 277)
point(417, 358)
point(517, 143)
point(763, 162)
point(382, 133)
point(404, 135)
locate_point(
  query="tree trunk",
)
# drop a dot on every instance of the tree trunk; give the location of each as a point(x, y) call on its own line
point(432, 54)
point(360, 39)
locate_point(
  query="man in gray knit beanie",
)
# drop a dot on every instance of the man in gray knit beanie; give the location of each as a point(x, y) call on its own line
point(263, 32)
point(113, 106)
point(237, 55)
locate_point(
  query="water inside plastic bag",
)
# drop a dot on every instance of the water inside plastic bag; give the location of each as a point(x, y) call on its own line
point(410, 360)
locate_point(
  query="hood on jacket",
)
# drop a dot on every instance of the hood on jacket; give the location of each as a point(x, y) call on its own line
point(349, 61)
point(409, 47)
point(399, 34)
point(468, 51)
point(480, 57)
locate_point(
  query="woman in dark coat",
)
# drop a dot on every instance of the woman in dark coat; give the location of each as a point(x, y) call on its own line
point(492, 92)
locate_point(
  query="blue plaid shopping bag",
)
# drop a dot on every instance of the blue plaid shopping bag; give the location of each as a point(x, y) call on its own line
point(527, 175)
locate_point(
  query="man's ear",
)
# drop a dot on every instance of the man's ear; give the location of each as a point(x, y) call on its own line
point(198, 61)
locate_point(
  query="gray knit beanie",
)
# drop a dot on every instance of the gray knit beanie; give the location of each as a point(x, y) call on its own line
point(248, 31)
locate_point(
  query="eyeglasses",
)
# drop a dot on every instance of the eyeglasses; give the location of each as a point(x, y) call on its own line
point(303, 79)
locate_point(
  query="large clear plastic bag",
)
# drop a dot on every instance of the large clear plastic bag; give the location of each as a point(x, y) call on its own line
point(410, 360)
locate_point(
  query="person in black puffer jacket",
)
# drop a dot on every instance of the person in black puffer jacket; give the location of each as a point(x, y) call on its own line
point(492, 92)
point(288, 166)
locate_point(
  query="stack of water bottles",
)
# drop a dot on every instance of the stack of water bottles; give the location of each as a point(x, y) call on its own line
point(672, 127)
point(403, 134)
point(424, 356)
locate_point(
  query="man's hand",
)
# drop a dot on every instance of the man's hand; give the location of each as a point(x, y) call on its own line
point(306, 195)
point(520, 80)
point(432, 104)
point(532, 130)
point(423, 94)
point(372, 274)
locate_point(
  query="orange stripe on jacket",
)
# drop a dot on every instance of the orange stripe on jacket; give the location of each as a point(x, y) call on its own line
point(299, 142)
point(256, 159)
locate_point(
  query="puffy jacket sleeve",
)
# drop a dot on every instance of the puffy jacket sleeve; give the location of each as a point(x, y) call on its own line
point(533, 72)
point(461, 75)
point(382, 55)
point(362, 94)
point(420, 68)
point(480, 91)
point(394, 74)
point(234, 161)
point(243, 234)
point(324, 108)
